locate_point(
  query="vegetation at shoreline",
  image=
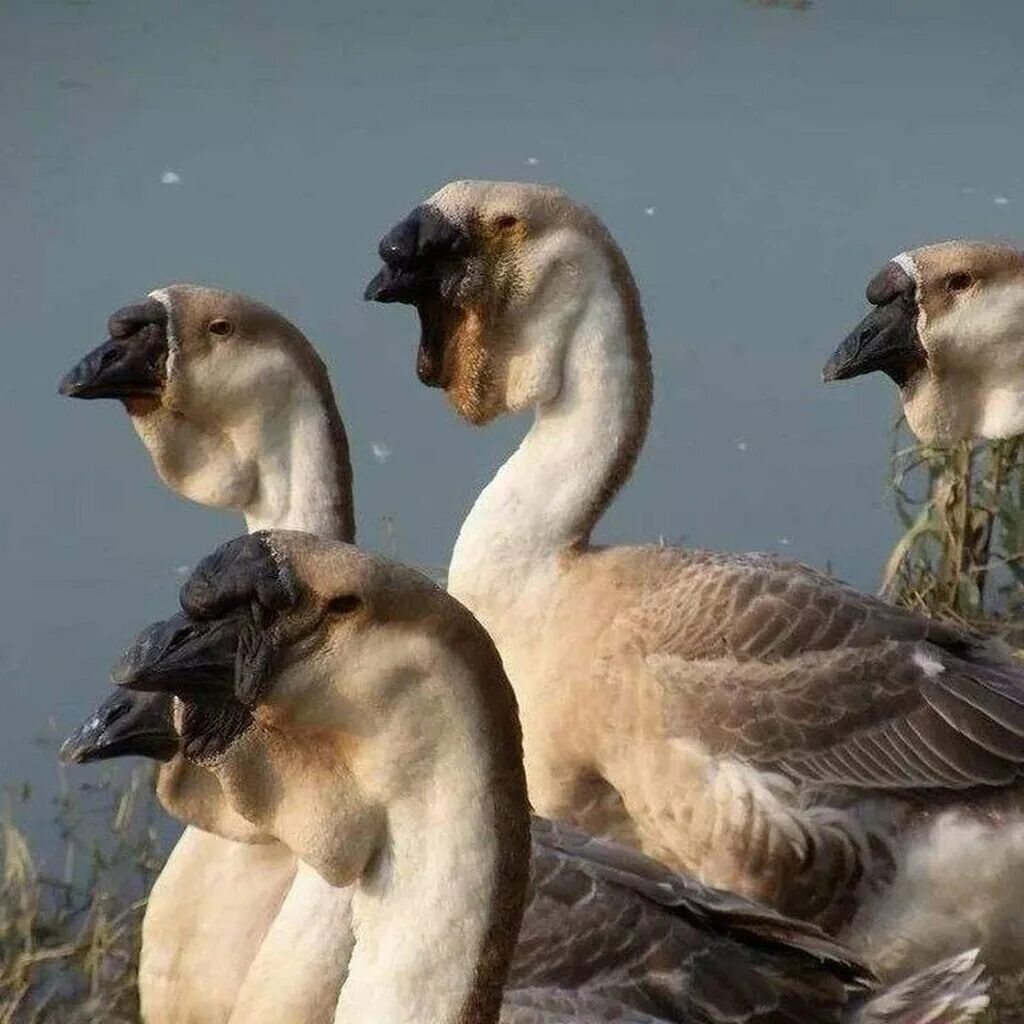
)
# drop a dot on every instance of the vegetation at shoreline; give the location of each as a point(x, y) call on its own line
point(962, 553)
point(69, 939)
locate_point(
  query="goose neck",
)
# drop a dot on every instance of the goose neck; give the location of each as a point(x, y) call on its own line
point(580, 449)
point(437, 912)
point(303, 473)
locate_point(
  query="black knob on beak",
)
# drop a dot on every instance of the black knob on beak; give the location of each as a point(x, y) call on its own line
point(127, 320)
point(399, 246)
point(424, 235)
point(891, 282)
point(418, 253)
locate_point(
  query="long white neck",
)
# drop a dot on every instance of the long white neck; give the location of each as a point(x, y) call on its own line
point(301, 964)
point(437, 906)
point(303, 477)
point(437, 914)
point(577, 454)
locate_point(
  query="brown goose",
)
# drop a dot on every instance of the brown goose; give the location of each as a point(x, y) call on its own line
point(948, 328)
point(749, 720)
point(237, 412)
point(362, 717)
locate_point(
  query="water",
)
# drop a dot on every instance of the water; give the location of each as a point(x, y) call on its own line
point(756, 164)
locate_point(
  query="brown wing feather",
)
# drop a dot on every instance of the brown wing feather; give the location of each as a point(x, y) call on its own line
point(778, 664)
point(611, 933)
point(716, 910)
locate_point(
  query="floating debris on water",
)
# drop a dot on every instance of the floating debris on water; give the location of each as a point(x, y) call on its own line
point(381, 452)
point(170, 178)
point(786, 5)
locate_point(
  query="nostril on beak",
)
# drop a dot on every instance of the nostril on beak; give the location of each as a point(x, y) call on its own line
point(867, 333)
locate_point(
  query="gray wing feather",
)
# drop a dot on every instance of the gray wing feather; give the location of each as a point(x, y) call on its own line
point(779, 665)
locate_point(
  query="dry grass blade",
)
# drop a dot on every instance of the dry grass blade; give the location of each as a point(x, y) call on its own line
point(962, 554)
point(69, 946)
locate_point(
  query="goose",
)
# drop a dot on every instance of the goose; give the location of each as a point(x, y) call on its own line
point(948, 329)
point(300, 932)
point(749, 720)
point(237, 412)
point(361, 715)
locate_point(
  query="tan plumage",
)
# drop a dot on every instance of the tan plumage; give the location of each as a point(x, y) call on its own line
point(746, 719)
point(383, 748)
point(960, 362)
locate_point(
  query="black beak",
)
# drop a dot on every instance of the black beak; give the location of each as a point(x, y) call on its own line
point(131, 364)
point(886, 339)
point(418, 255)
point(194, 660)
point(400, 279)
point(423, 264)
point(124, 724)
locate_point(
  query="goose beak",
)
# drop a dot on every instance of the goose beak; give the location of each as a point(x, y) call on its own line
point(194, 660)
point(404, 276)
point(417, 253)
point(886, 340)
point(391, 284)
point(424, 258)
point(124, 724)
point(130, 364)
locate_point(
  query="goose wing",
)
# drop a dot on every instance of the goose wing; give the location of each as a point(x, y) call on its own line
point(782, 666)
point(610, 934)
point(563, 848)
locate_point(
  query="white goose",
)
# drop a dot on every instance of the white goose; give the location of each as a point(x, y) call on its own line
point(749, 720)
point(949, 330)
point(357, 713)
point(237, 412)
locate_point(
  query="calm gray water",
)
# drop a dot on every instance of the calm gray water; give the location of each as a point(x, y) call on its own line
point(755, 163)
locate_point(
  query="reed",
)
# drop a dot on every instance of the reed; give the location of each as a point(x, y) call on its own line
point(69, 937)
point(961, 555)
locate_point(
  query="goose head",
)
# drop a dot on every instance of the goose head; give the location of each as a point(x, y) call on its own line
point(325, 666)
point(500, 274)
point(164, 729)
point(948, 329)
point(213, 382)
point(125, 724)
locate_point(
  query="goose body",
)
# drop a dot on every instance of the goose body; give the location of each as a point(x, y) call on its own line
point(746, 719)
point(948, 328)
point(237, 412)
point(372, 730)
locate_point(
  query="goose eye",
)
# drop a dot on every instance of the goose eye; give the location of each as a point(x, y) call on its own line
point(343, 604)
point(959, 281)
point(506, 222)
point(221, 327)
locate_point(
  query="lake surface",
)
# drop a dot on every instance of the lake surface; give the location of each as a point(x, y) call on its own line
point(756, 163)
